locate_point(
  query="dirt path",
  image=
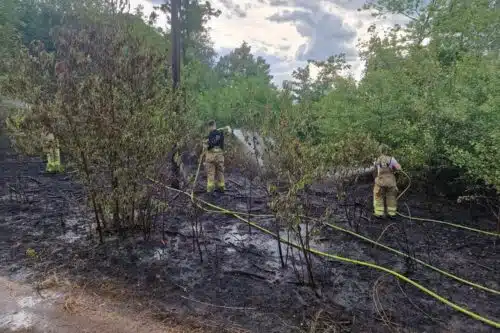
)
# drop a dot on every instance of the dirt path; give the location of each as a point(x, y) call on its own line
point(23, 309)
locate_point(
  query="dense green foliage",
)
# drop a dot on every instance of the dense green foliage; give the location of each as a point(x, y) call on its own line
point(429, 90)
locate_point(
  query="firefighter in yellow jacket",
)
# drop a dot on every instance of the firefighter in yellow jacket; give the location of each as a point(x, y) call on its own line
point(385, 186)
point(51, 148)
point(214, 158)
point(17, 124)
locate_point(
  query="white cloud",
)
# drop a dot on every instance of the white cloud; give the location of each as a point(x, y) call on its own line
point(291, 34)
point(148, 8)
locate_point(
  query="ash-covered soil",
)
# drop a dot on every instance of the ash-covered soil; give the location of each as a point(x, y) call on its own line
point(238, 282)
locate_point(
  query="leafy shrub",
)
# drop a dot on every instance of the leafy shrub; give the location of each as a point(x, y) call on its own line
point(103, 94)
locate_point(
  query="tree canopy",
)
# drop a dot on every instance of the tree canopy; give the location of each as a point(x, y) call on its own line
point(429, 88)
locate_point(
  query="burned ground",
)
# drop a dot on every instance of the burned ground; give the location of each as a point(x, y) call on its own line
point(239, 284)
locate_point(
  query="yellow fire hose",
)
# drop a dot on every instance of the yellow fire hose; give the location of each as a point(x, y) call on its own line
point(489, 233)
point(445, 273)
point(196, 179)
point(197, 173)
point(450, 275)
point(388, 248)
point(343, 259)
point(407, 186)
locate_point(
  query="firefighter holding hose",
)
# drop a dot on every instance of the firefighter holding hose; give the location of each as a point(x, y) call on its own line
point(385, 187)
point(21, 127)
point(214, 157)
point(51, 149)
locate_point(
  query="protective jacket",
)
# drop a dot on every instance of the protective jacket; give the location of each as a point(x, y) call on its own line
point(385, 166)
point(214, 161)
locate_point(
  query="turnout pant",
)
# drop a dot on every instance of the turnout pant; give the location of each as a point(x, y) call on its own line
point(385, 189)
point(214, 165)
point(54, 160)
point(51, 148)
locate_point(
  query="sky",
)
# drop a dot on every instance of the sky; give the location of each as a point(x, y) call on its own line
point(289, 32)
